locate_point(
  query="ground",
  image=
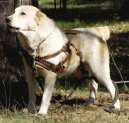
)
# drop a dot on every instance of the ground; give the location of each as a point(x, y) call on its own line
point(73, 110)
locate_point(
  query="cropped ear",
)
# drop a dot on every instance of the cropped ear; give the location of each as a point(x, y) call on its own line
point(39, 17)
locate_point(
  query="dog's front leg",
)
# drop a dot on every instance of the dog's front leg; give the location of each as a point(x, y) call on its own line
point(49, 85)
point(31, 85)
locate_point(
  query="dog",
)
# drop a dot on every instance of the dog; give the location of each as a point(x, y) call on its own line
point(58, 53)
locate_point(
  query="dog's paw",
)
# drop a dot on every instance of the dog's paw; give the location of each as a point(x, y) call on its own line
point(38, 115)
point(116, 111)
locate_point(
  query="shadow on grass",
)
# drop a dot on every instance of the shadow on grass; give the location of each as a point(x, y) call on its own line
point(14, 94)
point(57, 98)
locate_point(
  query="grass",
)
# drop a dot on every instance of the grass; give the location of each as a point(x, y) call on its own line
point(86, 14)
point(114, 26)
point(74, 110)
point(76, 3)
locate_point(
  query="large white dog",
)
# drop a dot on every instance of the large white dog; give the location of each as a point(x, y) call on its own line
point(57, 54)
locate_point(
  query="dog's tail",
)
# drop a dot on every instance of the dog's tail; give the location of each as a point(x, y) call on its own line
point(102, 32)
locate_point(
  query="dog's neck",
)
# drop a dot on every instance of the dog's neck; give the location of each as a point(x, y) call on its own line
point(51, 38)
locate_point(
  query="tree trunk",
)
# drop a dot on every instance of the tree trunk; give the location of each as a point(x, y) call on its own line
point(11, 66)
point(64, 3)
point(55, 4)
point(22, 2)
point(60, 4)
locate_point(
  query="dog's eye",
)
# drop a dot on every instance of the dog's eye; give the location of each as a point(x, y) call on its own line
point(22, 13)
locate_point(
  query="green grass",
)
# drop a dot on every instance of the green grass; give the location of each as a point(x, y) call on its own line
point(114, 26)
point(85, 14)
point(76, 3)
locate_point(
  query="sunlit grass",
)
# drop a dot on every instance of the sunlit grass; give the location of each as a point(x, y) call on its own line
point(114, 26)
point(75, 4)
point(119, 26)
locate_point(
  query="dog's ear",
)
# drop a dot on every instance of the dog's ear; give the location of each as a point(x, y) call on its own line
point(39, 17)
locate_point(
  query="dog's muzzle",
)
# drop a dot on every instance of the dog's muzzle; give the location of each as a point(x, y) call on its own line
point(11, 28)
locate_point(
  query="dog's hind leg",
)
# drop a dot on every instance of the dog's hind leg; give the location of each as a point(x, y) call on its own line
point(101, 73)
point(83, 74)
point(113, 91)
point(93, 86)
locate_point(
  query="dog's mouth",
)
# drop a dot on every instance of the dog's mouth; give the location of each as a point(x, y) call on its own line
point(12, 29)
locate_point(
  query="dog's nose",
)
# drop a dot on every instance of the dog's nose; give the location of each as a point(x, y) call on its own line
point(7, 20)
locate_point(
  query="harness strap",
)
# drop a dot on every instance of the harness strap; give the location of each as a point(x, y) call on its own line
point(49, 66)
point(42, 61)
point(64, 49)
point(73, 32)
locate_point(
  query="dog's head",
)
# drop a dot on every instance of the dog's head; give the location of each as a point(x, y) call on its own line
point(24, 18)
point(25, 21)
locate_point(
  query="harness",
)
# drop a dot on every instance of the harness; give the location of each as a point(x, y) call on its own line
point(42, 61)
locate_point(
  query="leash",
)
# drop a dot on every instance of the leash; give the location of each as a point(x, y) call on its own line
point(117, 68)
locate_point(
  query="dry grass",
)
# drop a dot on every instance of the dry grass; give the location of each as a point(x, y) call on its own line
point(73, 111)
point(118, 27)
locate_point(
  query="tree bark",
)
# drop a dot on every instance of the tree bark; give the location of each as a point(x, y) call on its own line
point(55, 4)
point(8, 42)
point(64, 3)
point(22, 2)
point(11, 66)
